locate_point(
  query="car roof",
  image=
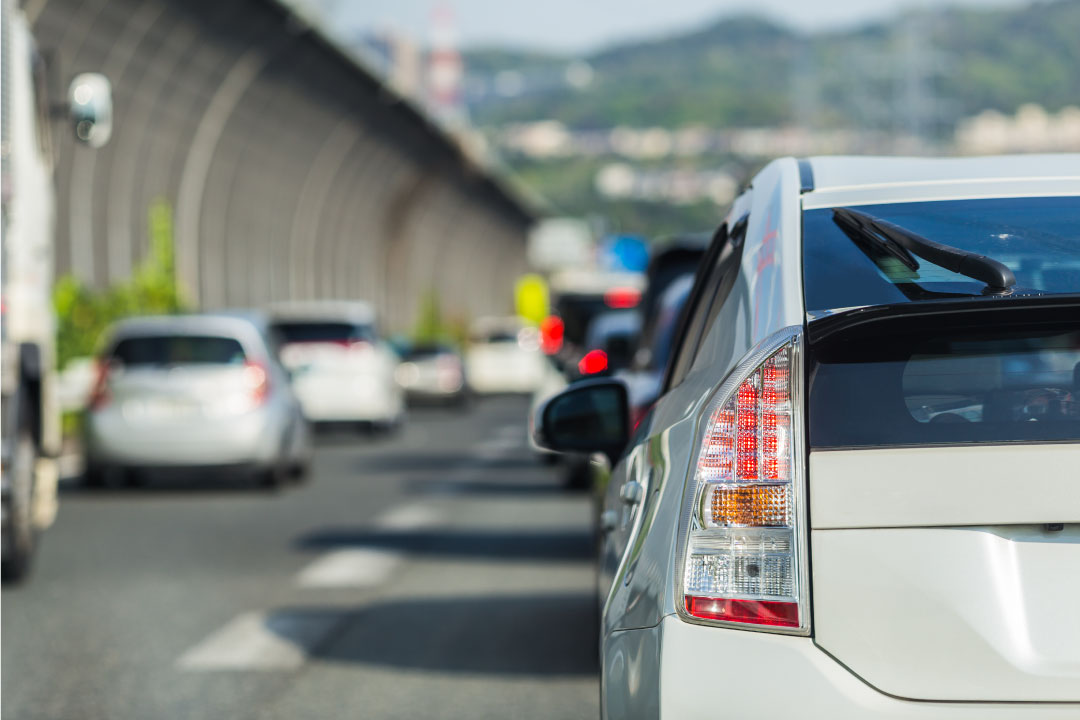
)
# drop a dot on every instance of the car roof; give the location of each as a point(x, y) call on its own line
point(245, 327)
point(839, 180)
point(357, 311)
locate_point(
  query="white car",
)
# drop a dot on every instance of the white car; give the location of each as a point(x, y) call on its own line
point(342, 370)
point(504, 357)
point(858, 495)
point(191, 393)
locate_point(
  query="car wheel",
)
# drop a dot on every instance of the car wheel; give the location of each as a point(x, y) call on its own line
point(300, 471)
point(20, 536)
point(93, 476)
point(273, 477)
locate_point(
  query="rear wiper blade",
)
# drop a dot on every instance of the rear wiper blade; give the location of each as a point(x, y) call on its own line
point(902, 243)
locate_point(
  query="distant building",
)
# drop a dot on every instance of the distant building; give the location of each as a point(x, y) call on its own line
point(1031, 129)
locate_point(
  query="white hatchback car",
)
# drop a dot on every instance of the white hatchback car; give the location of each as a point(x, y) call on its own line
point(190, 393)
point(504, 356)
point(342, 370)
point(859, 492)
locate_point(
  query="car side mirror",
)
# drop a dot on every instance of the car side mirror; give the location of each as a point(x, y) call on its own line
point(90, 108)
point(589, 416)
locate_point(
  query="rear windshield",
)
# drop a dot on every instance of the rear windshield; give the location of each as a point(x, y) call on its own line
point(1038, 238)
point(1011, 386)
point(337, 332)
point(151, 350)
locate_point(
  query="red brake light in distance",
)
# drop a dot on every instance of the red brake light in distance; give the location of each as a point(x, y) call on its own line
point(594, 361)
point(551, 334)
point(622, 297)
point(257, 381)
point(743, 555)
point(99, 396)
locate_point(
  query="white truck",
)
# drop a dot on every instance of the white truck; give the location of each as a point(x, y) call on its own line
point(30, 420)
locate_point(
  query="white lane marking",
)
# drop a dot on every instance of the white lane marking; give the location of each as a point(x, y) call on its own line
point(517, 432)
point(261, 641)
point(363, 567)
point(352, 567)
point(407, 517)
point(495, 447)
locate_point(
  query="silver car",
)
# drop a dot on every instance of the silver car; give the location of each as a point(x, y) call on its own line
point(194, 392)
point(857, 495)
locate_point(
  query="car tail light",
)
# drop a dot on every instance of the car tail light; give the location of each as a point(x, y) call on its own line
point(100, 395)
point(593, 362)
point(744, 561)
point(552, 329)
point(257, 381)
point(621, 298)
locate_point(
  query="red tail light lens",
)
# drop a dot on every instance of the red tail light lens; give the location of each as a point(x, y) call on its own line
point(99, 395)
point(257, 381)
point(743, 554)
point(622, 297)
point(595, 361)
point(780, 614)
point(551, 334)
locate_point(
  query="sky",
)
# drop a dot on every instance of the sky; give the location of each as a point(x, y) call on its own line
point(577, 26)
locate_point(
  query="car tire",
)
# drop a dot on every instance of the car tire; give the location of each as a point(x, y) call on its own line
point(93, 476)
point(273, 477)
point(20, 536)
point(300, 472)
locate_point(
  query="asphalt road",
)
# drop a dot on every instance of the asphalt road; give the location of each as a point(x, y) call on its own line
point(438, 573)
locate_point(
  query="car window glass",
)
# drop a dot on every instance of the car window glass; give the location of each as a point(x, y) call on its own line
point(722, 266)
point(178, 350)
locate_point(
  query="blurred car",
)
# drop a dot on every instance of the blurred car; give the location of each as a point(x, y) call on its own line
point(611, 340)
point(504, 356)
point(857, 493)
point(342, 371)
point(193, 392)
point(645, 375)
point(433, 372)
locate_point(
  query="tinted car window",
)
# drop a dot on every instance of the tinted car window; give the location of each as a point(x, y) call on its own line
point(298, 332)
point(178, 350)
point(954, 387)
point(1036, 237)
point(710, 291)
point(667, 321)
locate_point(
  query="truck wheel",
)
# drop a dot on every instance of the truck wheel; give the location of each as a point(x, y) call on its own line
point(19, 534)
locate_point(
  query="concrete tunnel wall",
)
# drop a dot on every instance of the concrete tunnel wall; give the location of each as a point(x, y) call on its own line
point(291, 172)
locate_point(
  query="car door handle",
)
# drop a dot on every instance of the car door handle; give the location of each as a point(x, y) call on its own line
point(608, 520)
point(631, 492)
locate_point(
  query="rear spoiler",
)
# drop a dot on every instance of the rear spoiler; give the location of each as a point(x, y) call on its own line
point(1029, 310)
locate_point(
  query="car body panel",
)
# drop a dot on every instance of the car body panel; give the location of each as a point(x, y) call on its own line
point(718, 672)
point(952, 613)
point(631, 678)
point(941, 486)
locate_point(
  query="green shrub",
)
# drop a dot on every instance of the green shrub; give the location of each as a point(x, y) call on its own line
point(84, 313)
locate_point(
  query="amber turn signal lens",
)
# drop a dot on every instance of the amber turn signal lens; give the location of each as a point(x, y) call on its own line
point(748, 505)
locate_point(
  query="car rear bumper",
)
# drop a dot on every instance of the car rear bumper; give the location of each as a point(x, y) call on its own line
point(366, 401)
point(709, 672)
point(253, 439)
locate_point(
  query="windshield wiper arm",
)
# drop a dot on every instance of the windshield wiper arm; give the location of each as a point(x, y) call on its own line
point(898, 241)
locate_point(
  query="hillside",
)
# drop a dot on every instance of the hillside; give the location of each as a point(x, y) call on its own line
point(750, 71)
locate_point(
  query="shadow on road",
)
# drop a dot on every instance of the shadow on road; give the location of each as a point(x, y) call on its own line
point(509, 486)
point(411, 461)
point(497, 544)
point(545, 635)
